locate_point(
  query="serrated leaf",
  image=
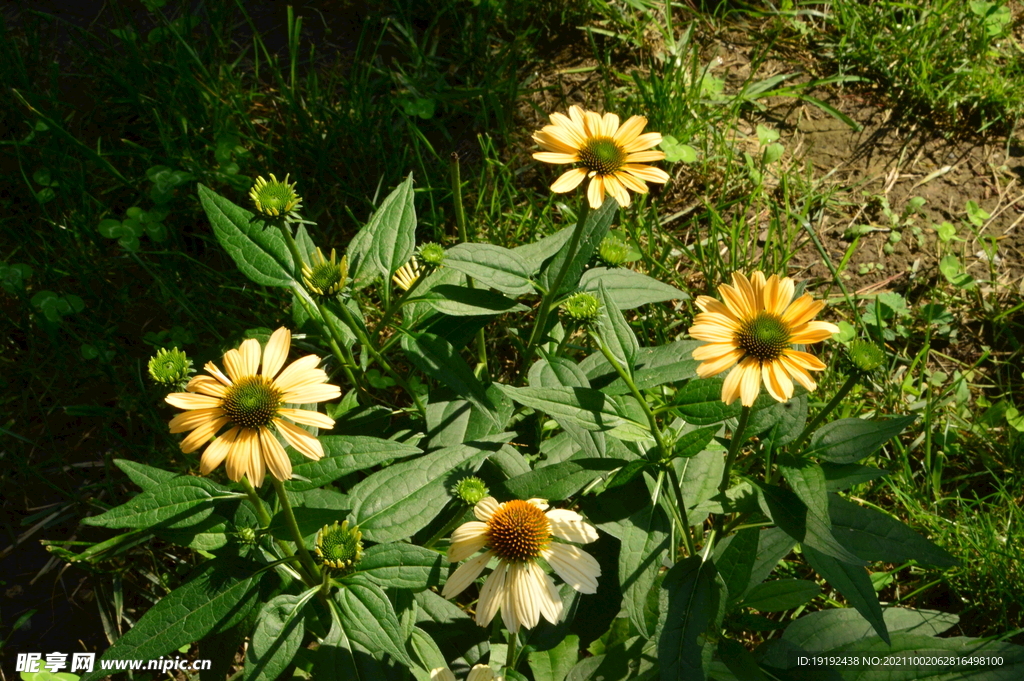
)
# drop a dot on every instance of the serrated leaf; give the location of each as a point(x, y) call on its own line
point(644, 539)
point(560, 372)
point(277, 637)
point(615, 332)
point(628, 289)
point(462, 301)
point(700, 402)
point(585, 407)
point(180, 502)
point(340, 657)
point(344, 454)
point(370, 619)
point(259, 251)
point(690, 586)
point(850, 440)
point(401, 566)
point(805, 525)
point(534, 255)
point(594, 230)
point(874, 536)
point(393, 227)
point(853, 582)
point(403, 498)
point(781, 594)
point(436, 357)
point(494, 266)
point(142, 475)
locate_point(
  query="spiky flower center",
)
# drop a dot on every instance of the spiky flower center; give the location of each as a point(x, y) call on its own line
point(339, 546)
point(583, 307)
point(275, 197)
point(432, 254)
point(613, 250)
point(325, 278)
point(170, 367)
point(865, 355)
point(764, 337)
point(252, 402)
point(602, 155)
point(471, 489)
point(518, 531)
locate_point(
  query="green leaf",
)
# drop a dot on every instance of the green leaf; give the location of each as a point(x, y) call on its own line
point(645, 537)
point(219, 596)
point(781, 594)
point(699, 477)
point(807, 479)
point(209, 535)
point(341, 657)
point(839, 477)
point(560, 480)
point(370, 619)
point(627, 473)
point(850, 440)
point(180, 502)
point(615, 332)
point(561, 372)
point(594, 230)
point(810, 528)
point(462, 301)
point(534, 255)
point(773, 545)
point(393, 227)
point(655, 366)
point(676, 151)
point(693, 443)
point(735, 558)
point(628, 289)
point(700, 402)
point(494, 266)
point(830, 630)
point(344, 454)
point(691, 588)
point(874, 536)
point(554, 664)
point(277, 637)
point(142, 475)
point(403, 498)
point(401, 566)
point(259, 251)
point(436, 357)
point(996, 660)
point(585, 407)
point(739, 661)
point(853, 582)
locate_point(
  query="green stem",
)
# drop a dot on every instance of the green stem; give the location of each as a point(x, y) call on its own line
point(448, 527)
point(547, 302)
point(293, 527)
point(460, 222)
point(844, 389)
point(254, 499)
point(510, 655)
point(734, 448)
point(678, 489)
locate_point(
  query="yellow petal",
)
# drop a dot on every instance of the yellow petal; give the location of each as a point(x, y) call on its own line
point(712, 333)
point(302, 440)
point(593, 124)
point(276, 458)
point(297, 372)
point(802, 310)
point(629, 130)
point(249, 351)
point(217, 451)
point(610, 125)
point(491, 595)
point(617, 191)
point(486, 508)
point(750, 381)
point(595, 192)
point(647, 173)
point(804, 359)
point(193, 401)
point(234, 365)
point(276, 351)
point(207, 385)
point(257, 463)
point(813, 332)
point(574, 565)
point(778, 294)
point(202, 434)
point(777, 381)
point(799, 373)
point(466, 540)
point(569, 180)
point(212, 369)
point(555, 157)
point(307, 417)
point(557, 139)
point(631, 182)
point(320, 392)
point(190, 420)
point(644, 141)
point(237, 463)
point(731, 386)
point(713, 367)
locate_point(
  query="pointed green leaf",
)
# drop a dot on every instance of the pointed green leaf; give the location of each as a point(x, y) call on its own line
point(805, 525)
point(436, 357)
point(628, 289)
point(781, 594)
point(735, 558)
point(586, 407)
point(462, 301)
point(401, 566)
point(370, 619)
point(700, 402)
point(872, 535)
point(340, 657)
point(344, 454)
point(850, 440)
point(828, 630)
point(853, 582)
point(180, 502)
point(645, 537)
point(277, 637)
point(594, 230)
point(494, 266)
point(142, 475)
point(393, 227)
point(560, 480)
point(690, 585)
point(561, 372)
point(615, 332)
point(554, 664)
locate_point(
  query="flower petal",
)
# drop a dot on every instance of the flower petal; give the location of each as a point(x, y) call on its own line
point(804, 359)
point(491, 595)
point(570, 526)
point(735, 301)
point(465, 575)
point(615, 188)
point(716, 366)
point(631, 182)
point(307, 417)
point(557, 139)
point(714, 306)
point(778, 293)
point(276, 352)
point(467, 539)
point(648, 173)
point(555, 157)
point(296, 373)
point(276, 458)
point(479, 672)
point(802, 310)
point(301, 439)
point(750, 381)
point(206, 385)
point(777, 381)
point(644, 141)
point(593, 124)
point(569, 180)
point(238, 458)
point(441, 674)
point(189, 420)
point(712, 333)
point(595, 192)
point(486, 508)
point(202, 434)
point(523, 594)
point(799, 373)
point(629, 131)
point(574, 565)
point(218, 451)
point(813, 332)
point(193, 401)
point(611, 125)
point(257, 465)
point(320, 392)
point(550, 601)
point(234, 365)
point(212, 369)
point(250, 352)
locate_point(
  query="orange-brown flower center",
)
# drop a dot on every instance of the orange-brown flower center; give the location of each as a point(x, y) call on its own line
point(252, 402)
point(518, 531)
point(602, 156)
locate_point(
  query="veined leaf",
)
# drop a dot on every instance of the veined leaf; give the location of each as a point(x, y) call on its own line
point(805, 525)
point(462, 301)
point(435, 357)
point(594, 230)
point(277, 637)
point(781, 594)
point(853, 582)
point(344, 454)
point(645, 537)
point(615, 332)
point(370, 619)
point(561, 480)
point(146, 477)
point(180, 502)
point(586, 407)
point(554, 664)
point(559, 372)
point(401, 566)
point(691, 586)
point(494, 266)
point(872, 536)
point(628, 289)
point(393, 227)
point(850, 440)
point(735, 558)
point(829, 630)
point(700, 402)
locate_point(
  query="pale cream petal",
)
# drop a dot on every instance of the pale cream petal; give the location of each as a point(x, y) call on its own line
point(320, 392)
point(524, 591)
point(595, 192)
point(777, 381)
point(467, 539)
point(555, 157)
point(618, 192)
point(250, 352)
point(648, 173)
point(802, 310)
point(307, 417)
point(465, 575)
point(813, 332)
point(570, 526)
point(804, 359)
point(731, 386)
point(716, 366)
point(276, 458)
point(573, 126)
point(735, 301)
point(217, 451)
point(550, 601)
point(190, 420)
point(212, 369)
point(441, 674)
point(611, 125)
point(576, 115)
point(480, 672)
point(296, 372)
point(193, 401)
point(593, 124)
point(631, 182)
point(575, 566)
point(799, 373)
point(486, 508)
point(491, 595)
point(569, 180)
point(630, 130)
point(202, 434)
point(644, 141)
point(300, 439)
point(234, 364)
point(207, 385)
point(541, 504)
point(509, 612)
point(750, 381)
point(238, 458)
point(276, 352)
point(647, 157)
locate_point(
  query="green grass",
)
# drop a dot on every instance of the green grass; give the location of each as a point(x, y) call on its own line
point(214, 102)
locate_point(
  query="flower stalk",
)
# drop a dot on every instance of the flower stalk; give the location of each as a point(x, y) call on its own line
point(460, 222)
point(313, 573)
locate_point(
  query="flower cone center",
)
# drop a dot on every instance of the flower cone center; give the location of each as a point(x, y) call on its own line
point(764, 337)
point(252, 402)
point(518, 531)
point(339, 546)
point(602, 156)
point(325, 277)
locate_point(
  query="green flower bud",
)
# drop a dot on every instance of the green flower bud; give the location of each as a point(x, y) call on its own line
point(865, 355)
point(582, 307)
point(247, 535)
point(275, 197)
point(170, 367)
point(432, 254)
point(470, 490)
point(325, 277)
point(339, 547)
point(613, 251)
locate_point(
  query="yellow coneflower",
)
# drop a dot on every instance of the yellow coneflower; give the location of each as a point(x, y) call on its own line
point(756, 326)
point(407, 274)
point(249, 400)
point(610, 154)
point(517, 533)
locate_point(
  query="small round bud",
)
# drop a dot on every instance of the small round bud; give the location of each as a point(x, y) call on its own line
point(407, 275)
point(325, 277)
point(275, 197)
point(865, 355)
point(613, 251)
point(470, 490)
point(339, 547)
point(247, 535)
point(432, 254)
point(582, 307)
point(170, 367)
